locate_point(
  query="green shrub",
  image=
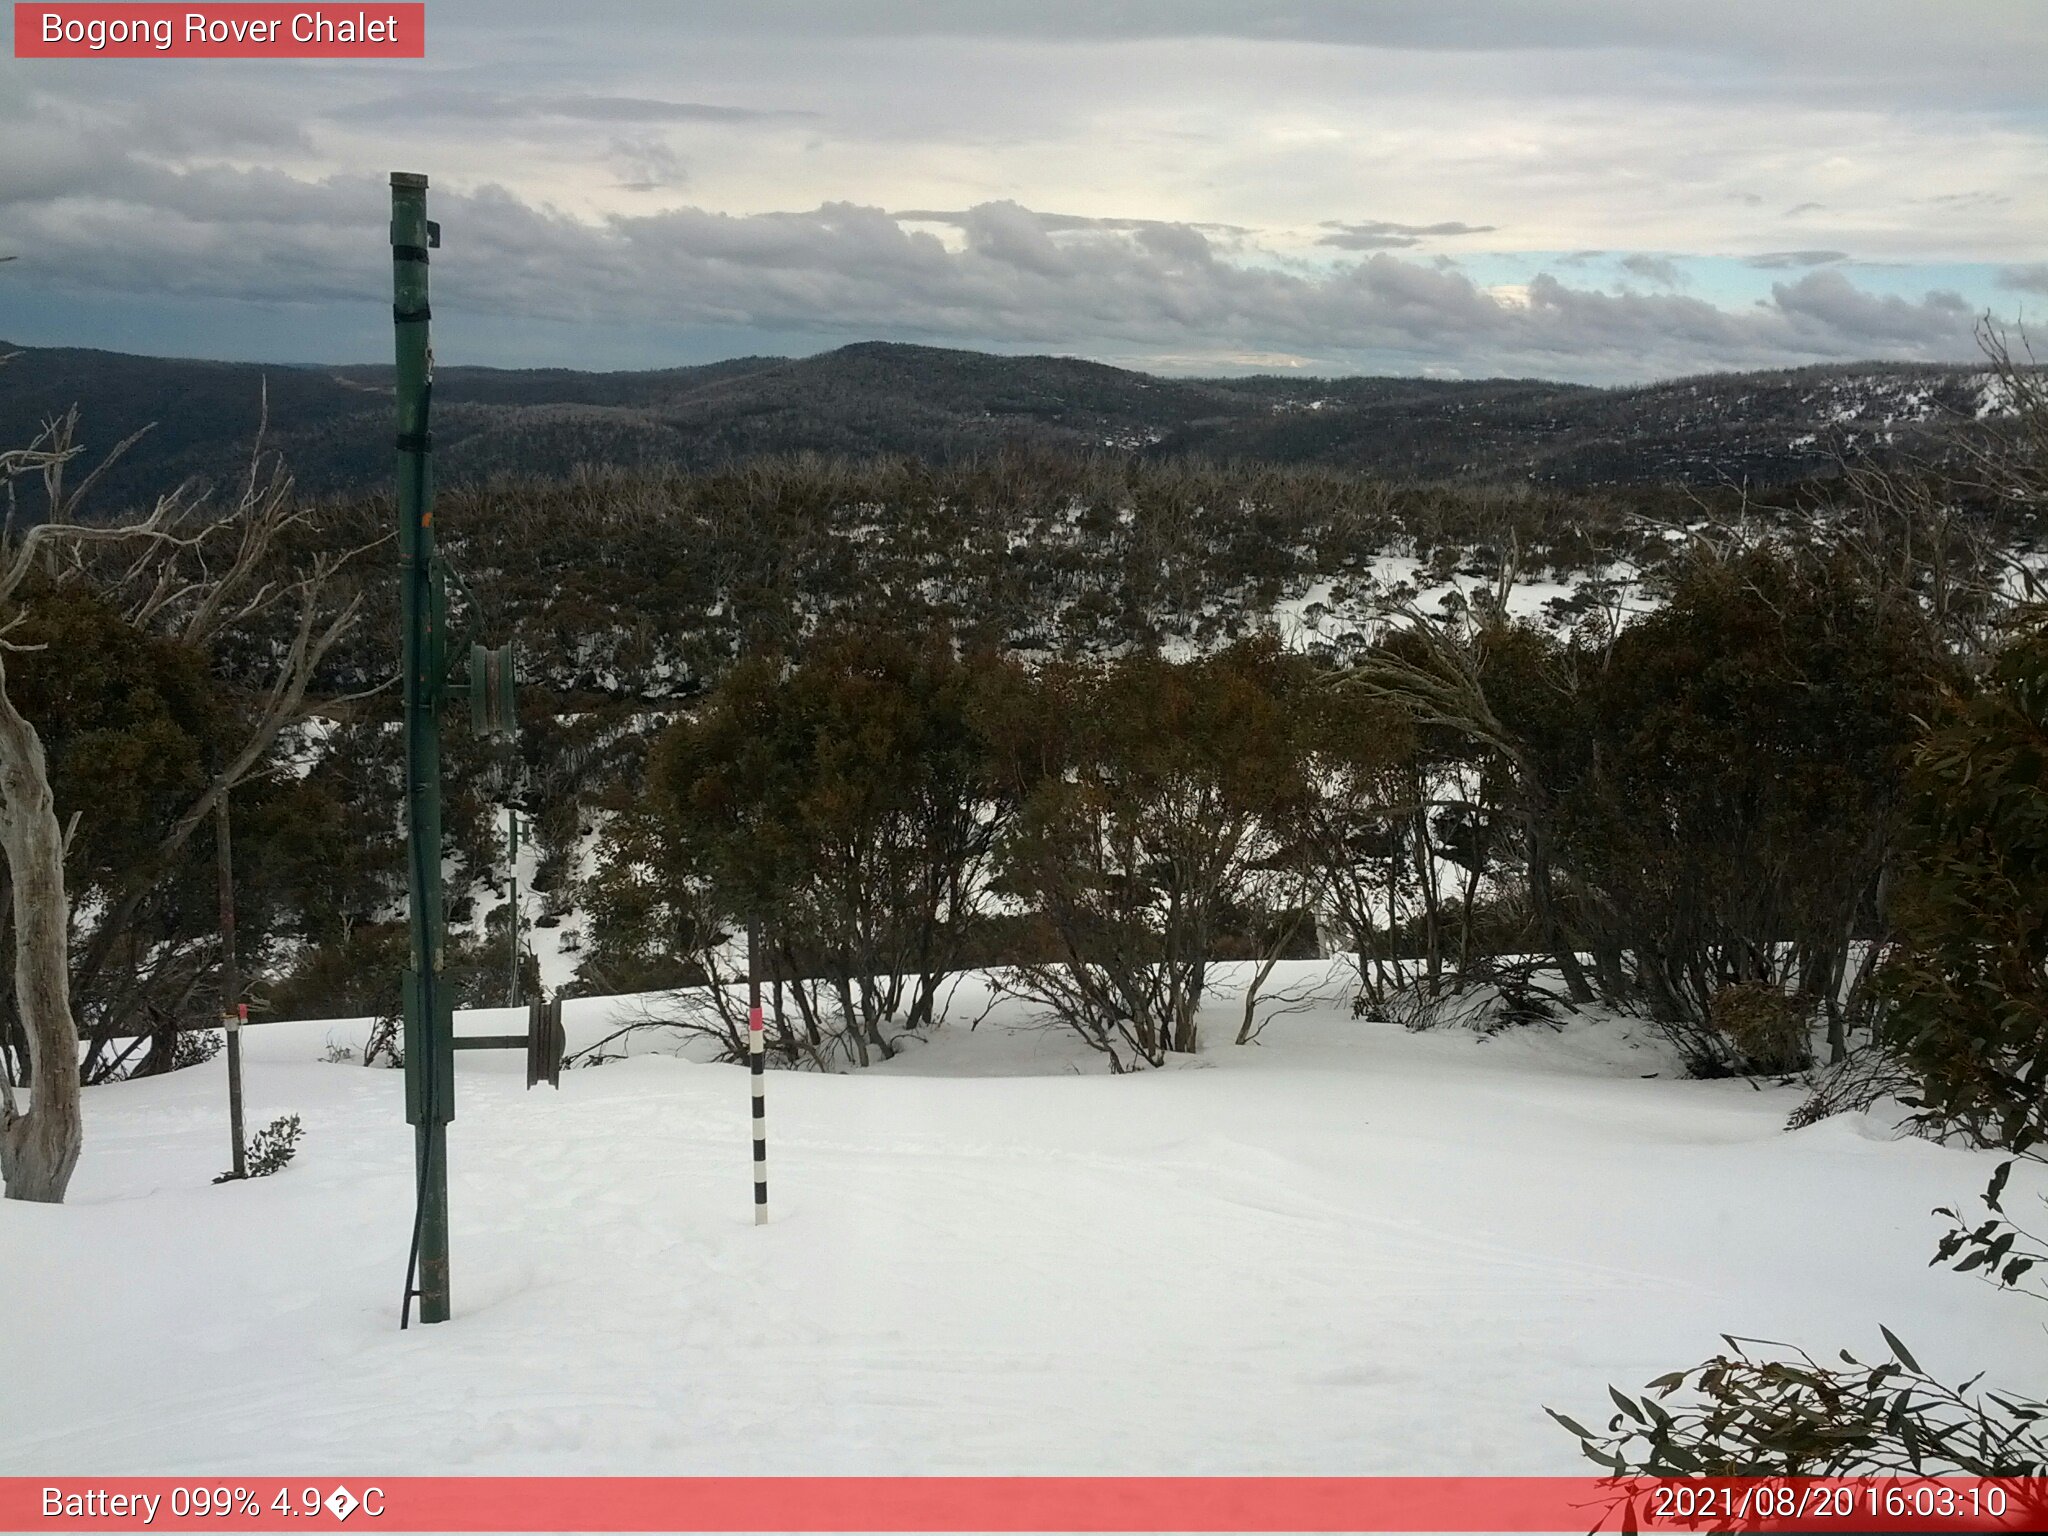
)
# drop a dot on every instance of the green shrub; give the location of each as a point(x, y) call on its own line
point(269, 1149)
point(1969, 988)
point(1766, 1410)
point(1763, 1026)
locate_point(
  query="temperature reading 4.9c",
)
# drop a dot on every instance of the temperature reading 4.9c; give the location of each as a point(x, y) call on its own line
point(222, 1501)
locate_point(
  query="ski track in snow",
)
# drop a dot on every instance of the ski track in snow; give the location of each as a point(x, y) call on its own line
point(1344, 1250)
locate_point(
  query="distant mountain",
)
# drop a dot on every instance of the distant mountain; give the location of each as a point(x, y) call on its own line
point(334, 424)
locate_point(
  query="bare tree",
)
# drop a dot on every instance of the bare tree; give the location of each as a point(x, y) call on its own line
point(188, 571)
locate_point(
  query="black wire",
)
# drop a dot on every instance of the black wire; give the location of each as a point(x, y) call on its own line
point(412, 1260)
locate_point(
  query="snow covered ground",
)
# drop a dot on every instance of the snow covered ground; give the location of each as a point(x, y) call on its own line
point(1346, 1249)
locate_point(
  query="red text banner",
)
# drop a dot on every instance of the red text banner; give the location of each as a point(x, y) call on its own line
point(116, 31)
point(931, 1504)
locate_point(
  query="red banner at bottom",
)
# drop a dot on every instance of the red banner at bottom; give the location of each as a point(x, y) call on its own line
point(978, 1504)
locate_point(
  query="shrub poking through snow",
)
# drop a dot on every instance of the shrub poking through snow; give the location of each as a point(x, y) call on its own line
point(1771, 1411)
point(384, 1043)
point(271, 1148)
point(1764, 1027)
point(196, 1047)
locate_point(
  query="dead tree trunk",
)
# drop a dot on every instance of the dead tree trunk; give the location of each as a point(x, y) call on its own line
point(39, 1148)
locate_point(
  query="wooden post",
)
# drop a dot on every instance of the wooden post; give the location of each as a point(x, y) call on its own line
point(232, 1010)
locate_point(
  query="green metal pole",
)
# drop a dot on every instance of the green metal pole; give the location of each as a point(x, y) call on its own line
point(429, 1022)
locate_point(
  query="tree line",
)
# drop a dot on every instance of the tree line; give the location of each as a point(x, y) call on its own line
point(1703, 816)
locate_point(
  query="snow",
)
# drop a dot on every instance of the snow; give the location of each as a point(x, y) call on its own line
point(1346, 1249)
point(1336, 612)
point(1994, 397)
point(557, 944)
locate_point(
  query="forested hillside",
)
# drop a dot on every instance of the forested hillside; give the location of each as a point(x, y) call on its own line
point(942, 406)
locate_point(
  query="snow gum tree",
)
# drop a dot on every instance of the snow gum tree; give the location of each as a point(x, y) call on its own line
point(1152, 798)
point(1968, 990)
point(1708, 798)
point(1736, 810)
point(842, 806)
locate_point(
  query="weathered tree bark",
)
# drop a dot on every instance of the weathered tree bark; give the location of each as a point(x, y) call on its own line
point(39, 1148)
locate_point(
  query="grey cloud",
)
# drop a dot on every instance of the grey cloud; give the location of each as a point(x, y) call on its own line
point(646, 164)
point(2032, 279)
point(1831, 303)
point(1059, 223)
point(844, 268)
point(1852, 31)
point(1799, 208)
point(1849, 51)
point(1008, 234)
point(1653, 269)
point(494, 106)
point(1771, 261)
point(1384, 235)
point(196, 122)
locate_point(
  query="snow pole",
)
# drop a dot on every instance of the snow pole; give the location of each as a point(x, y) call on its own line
point(756, 1061)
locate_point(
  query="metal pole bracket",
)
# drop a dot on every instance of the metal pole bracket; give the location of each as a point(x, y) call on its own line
point(546, 1042)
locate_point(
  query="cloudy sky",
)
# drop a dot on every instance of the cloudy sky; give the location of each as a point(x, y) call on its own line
point(1604, 190)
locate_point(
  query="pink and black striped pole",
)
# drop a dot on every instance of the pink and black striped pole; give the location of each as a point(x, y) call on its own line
point(756, 1059)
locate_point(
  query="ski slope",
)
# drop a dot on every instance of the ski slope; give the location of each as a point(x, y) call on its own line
point(1346, 1249)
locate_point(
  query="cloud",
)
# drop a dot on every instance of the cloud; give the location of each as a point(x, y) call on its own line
point(1103, 287)
point(1653, 269)
point(1382, 235)
point(2032, 279)
point(502, 106)
point(1771, 261)
point(1827, 303)
point(1060, 223)
point(1588, 123)
point(1818, 40)
point(646, 164)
